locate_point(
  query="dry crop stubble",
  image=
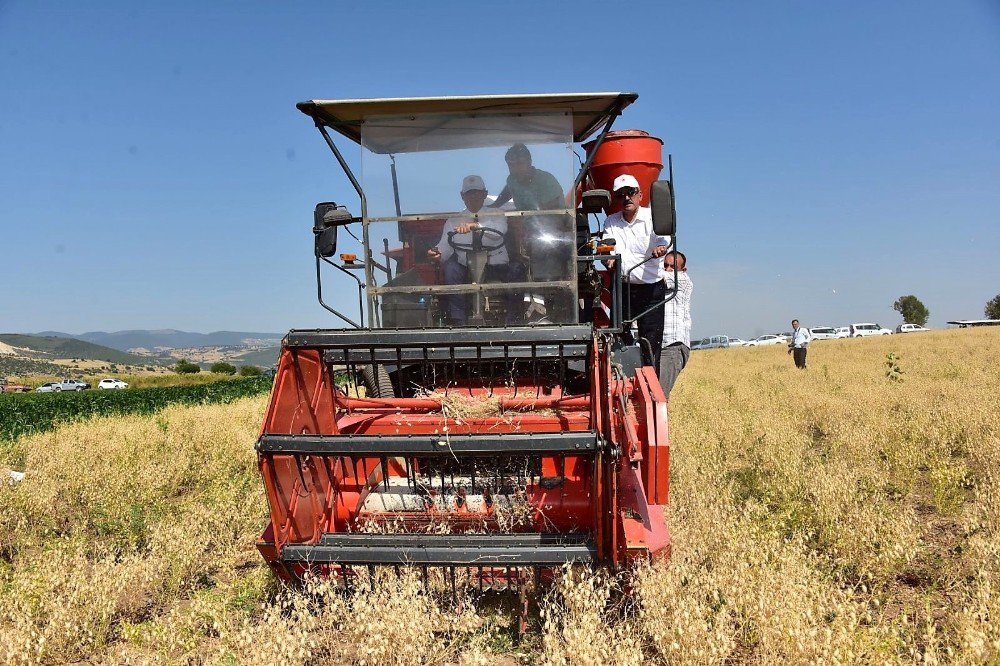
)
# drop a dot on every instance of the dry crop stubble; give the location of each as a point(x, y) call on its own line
point(825, 516)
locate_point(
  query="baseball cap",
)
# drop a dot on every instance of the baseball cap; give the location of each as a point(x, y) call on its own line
point(472, 183)
point(625, 180)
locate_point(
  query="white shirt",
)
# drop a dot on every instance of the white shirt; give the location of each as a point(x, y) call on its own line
point(484, 219)
point(635, 242)
point(677, 311)
point(801, 338)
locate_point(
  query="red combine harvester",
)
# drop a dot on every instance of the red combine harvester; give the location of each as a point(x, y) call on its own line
point(509, 420)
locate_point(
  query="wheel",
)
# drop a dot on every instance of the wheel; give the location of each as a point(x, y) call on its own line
point(377, 387)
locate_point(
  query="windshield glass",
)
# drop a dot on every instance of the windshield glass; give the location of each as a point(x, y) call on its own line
point(467, 220)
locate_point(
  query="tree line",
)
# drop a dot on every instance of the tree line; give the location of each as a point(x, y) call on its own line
point(915, 312)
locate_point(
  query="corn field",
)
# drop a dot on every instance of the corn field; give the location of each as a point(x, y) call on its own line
point(848, 513)
point(26, 413)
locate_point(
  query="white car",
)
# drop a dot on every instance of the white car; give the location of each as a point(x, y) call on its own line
point(910, 328)
point(868, 329)
point(843, 332)
point(48, 387)
point(823, 333)
point(111, 383)
point(737, 342)
point(765, 340)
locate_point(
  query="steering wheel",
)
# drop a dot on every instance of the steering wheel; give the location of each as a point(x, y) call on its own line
point(477, 244)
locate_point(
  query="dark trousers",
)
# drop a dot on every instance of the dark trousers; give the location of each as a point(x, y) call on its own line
point(638, 297)
point(456, 304)
point(799, 354)
point(673, 359)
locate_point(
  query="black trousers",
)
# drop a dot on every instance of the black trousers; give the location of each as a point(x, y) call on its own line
point(638, 297)
point(799, 354)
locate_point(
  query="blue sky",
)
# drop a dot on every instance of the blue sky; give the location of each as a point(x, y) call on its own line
point(829, 157)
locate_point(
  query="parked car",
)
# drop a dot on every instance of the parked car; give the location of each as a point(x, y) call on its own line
point(868, 329)
point(73, 385)
point(715, 342)
point(737, 342)
point(112, 383)
point(823, 333)
point(764, 340)
point(696, 344)
point(910, 328)
point(48, 387)
point(843, 332)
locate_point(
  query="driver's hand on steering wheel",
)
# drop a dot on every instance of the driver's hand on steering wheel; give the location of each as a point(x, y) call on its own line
point(466, 227)
point(434, 254)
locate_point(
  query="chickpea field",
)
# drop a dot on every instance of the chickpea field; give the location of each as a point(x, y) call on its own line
point(849, 513)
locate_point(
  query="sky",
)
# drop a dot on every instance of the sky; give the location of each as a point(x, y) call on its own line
point(828, 157)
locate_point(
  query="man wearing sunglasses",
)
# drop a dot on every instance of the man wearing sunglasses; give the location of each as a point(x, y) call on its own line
point(642, 275)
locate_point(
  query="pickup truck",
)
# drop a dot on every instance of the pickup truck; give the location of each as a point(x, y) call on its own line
point(6, 386)
point(72, 385)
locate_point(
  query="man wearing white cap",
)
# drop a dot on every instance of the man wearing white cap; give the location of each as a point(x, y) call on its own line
point(642, 275)
point(454, 265)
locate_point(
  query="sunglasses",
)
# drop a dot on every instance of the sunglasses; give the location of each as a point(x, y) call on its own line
point(626, 193)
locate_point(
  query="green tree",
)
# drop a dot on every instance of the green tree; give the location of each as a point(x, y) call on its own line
point(223, 368)
point(913, 311)
point(185, 367)
point(993, 308)
point(249, 371)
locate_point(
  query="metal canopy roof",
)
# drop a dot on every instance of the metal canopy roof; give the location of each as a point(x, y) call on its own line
point(589, 110)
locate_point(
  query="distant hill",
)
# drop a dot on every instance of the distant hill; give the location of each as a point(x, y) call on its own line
point(263, 358)
point(172, 338)
point(55, 347)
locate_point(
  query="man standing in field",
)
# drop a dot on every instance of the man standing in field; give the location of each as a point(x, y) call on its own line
point(676, 322)
point(797, 347)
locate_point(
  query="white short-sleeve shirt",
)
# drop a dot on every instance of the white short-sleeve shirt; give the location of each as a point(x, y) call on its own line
point(635, 242)
point(498, 222)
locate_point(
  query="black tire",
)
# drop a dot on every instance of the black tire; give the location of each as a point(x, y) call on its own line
point(377, 387)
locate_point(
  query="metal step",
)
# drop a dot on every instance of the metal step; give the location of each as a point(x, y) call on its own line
point(507, 550)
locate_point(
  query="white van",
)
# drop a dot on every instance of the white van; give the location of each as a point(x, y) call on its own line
point(867, 329)
point(911, 328)
point(714, 342)
point(823, 333)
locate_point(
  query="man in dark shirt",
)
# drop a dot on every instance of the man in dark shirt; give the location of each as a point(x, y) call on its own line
point(530, 188)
